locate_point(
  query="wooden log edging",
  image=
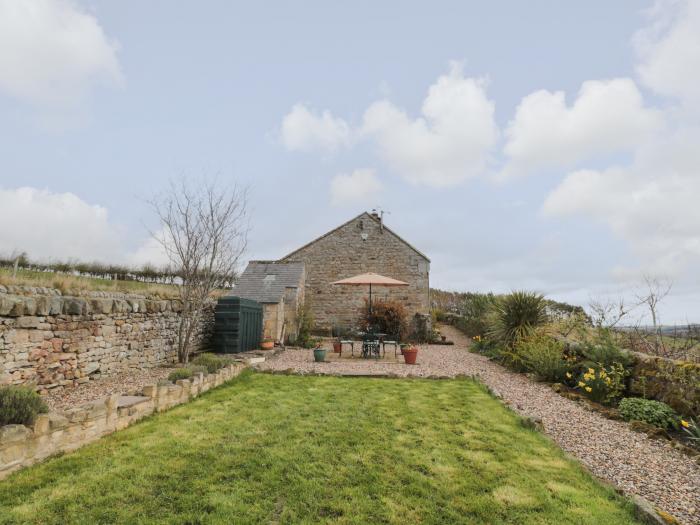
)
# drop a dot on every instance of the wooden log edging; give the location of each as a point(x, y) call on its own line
point(55, 432)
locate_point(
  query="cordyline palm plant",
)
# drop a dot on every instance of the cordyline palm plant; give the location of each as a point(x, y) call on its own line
point(516, 315)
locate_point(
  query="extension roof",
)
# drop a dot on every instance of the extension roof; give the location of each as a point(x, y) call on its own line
point(266, 281)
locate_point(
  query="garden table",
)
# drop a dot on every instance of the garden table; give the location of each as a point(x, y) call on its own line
point(371, 342)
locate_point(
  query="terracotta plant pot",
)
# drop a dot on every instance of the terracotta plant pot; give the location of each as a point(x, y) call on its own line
point(319, 355)
point(409, 355)
point(267, 345)
point(443, 338)
point(336, 347)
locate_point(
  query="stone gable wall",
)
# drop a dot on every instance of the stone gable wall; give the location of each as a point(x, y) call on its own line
point(51, 340)
point(345, 253)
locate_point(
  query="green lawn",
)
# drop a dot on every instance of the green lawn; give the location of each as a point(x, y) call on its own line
point(289, 449)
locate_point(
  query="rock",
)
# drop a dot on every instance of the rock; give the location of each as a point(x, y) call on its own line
point(74, 306)
point(91, 368)
point(14, 433)
point(648, 514)
point(42, 424)
point(102, 306)
point(28, 322)
point(55, 305)
point(11, 306)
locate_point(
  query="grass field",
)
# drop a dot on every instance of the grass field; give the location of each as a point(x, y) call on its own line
point(290, 449)
point(74, 283)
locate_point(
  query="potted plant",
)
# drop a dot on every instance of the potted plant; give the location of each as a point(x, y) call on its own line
point(267, 343)
point(336, 345)
point(403, 346)
point(319, 353)
point(409, 354)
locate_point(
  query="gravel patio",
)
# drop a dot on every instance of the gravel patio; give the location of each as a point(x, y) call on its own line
point(629, 460)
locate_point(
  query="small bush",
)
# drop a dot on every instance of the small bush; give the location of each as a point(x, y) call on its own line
point(211, 362)
point(197, 369)
point(305, 325)
point(180, 373)
point(603, 384)
point(543, 356)
point(19, 405)
point(649, 411)
point(388, 317)
point(604, 351)
point(475, 312)
point(487, 347)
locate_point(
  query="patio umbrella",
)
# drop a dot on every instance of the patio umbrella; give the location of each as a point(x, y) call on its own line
point(370, 279)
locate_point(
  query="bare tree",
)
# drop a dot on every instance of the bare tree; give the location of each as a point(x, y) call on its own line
point(606, 313)
point(655, 290)
point(204, 231)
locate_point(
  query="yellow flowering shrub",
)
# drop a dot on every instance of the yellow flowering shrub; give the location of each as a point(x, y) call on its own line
point(603, 384)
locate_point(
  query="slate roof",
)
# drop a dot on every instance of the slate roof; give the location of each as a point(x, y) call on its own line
point(266, 281)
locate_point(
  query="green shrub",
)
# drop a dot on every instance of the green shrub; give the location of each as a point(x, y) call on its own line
point(516, 315)
point(543, 356)
point(487, 347)
point(649, 411)
point(180, 373)
point(19, 405)
point(475, 312)
point(388, 317)
point(211, 362)
point(305, 323)
point(198, 370)
point(604, 351)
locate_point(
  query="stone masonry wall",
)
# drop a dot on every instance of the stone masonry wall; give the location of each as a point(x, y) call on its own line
point(50, 340)
point(357, 247)
point(55, 432)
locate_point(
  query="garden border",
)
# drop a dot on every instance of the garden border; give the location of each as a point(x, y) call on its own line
point(57, 432)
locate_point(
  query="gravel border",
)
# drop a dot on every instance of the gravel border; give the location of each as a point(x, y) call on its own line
point(129, 382)
point(610, 450)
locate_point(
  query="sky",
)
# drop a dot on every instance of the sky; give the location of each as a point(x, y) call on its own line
point(543, 145)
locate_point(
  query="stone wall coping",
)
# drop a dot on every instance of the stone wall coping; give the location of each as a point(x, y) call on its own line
point(24, 290)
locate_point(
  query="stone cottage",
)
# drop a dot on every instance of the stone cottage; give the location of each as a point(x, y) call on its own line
point(363, 244)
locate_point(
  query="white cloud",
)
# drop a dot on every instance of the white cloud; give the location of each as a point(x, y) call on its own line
point(355, 188)
point(56, 226)
point(669, 50)
point(305, 130)
point(62, 226)
point(651, 205)
point(52, 52)
point(150, 251)
point(452, 140)
point(606, 117)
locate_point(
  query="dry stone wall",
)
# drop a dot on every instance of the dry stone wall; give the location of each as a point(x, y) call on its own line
point(55, 432)
point(359, 246)
point(51, 340)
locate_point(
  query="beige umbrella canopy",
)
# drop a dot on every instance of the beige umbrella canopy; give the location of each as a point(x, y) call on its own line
point(370, 279)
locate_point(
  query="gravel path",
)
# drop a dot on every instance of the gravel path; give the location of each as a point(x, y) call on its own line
point(130, 382)
point(630, 460)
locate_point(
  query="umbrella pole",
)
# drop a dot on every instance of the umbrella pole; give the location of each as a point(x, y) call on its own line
point(370, 302)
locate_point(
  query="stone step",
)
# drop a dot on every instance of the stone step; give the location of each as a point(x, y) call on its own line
point(129, 401)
